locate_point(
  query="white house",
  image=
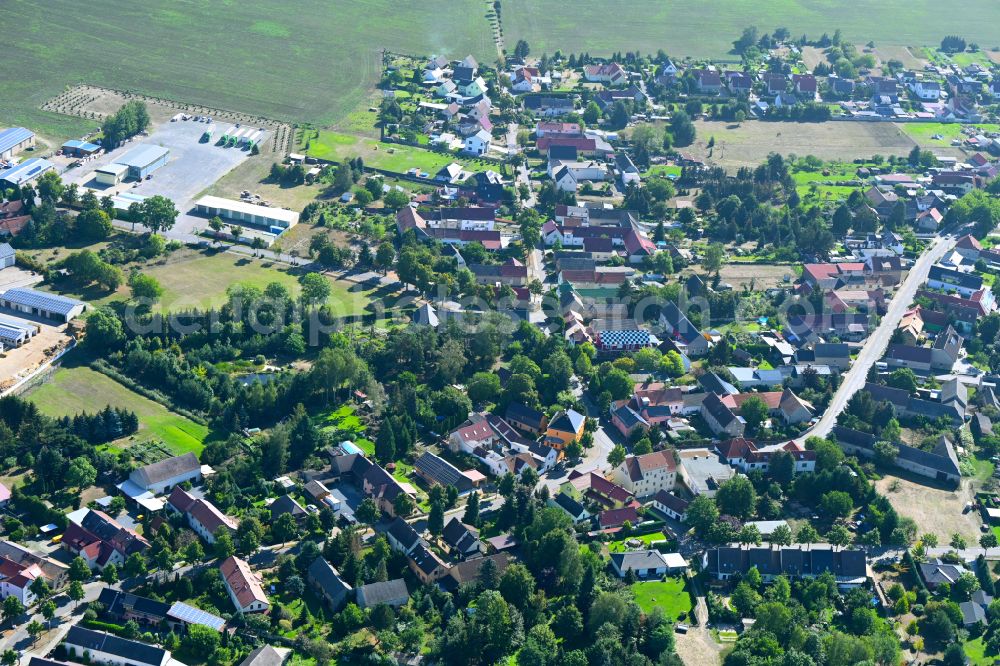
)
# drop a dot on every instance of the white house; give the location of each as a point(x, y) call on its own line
point(104, 648)
point(244, 586)
point(203, 516)
point(642, 563)
point(478, 143)
point(648, 474)
point(16, 580)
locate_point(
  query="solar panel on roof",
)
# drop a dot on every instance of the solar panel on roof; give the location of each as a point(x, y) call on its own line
point(192, 615)
point(43, 301)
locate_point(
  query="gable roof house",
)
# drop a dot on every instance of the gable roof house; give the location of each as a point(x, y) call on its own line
point(327, 583)
point(287, 504)
point(435, 470)
point(426, 565)
point(203, 517)
point(525, 418)
point(707, 81)
point(648, 474)
point(611, 73)
point(682, 331)
point(384, 488)
point(105, 648)
point(739, 83)
point(720, 418)
point(402, 536)
point(746, 455)
point(670, 505)
point(100, 540)
point(244, 586)
point(642, 563)
point(463, 540)
point(953, 281)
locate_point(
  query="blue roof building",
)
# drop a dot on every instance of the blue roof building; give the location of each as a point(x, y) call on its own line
point(14, 140)
point(25, 172)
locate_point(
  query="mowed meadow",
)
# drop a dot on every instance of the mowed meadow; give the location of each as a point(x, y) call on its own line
point(707, 28)
point(310, 61)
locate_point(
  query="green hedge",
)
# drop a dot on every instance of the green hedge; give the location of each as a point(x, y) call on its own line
point(105, 368)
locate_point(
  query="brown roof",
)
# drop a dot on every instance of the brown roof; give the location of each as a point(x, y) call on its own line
point(242, 581)
point(639, 466)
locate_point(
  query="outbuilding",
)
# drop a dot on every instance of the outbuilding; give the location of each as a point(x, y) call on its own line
point(111, 174)
point(7, 256)
point(275, 220)
point(78, 148)
point(13, 140)
point(144, 160)
point(25, 172)
point(41, 304)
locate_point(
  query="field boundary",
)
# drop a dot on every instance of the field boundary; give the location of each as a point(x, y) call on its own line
point(40, 372)
point(73, 102)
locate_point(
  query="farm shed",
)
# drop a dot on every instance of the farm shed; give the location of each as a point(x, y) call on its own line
point(15, 332)
point(275, 220)
point(25, 172)
point(111, 174)
point(78, 148)
point(14, 140)
point(144, 160)
point(41, 304)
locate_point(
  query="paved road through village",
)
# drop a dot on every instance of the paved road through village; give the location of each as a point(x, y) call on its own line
point(877, 342)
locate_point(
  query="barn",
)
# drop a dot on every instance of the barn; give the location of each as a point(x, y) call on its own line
point(144, 160)
point(41, 304)
point(14, 140)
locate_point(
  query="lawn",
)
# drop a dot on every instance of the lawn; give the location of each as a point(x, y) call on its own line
point(308, 62)
point(922, 132)
point(199, 279)
point(670, 595)
point(646, 539)
point(668, 170)
point(337, 146)
point(679, 26)
point(976, 651)
point(74, 389)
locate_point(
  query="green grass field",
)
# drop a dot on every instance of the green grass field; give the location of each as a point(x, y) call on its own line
point(976, 652)
point(922, 132)
point(620, 546)
point(304, 62)
point(707, 28)
point(337, 146)
point(670, 595)
point(75, 389)
point(195, 279)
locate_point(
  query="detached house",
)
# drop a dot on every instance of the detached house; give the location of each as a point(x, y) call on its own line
point(745, 455)
point(682, 332)
point(203, 517)
point(648, 474)
point(610, 73)
point(566, 426)
point(243, 585)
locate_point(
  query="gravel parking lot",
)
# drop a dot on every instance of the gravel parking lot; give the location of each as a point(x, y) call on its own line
point(191, 167)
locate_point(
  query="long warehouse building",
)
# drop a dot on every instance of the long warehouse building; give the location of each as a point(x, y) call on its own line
point(276, 220)
point(144, 160)
point(42, 304)
point(26, 171)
